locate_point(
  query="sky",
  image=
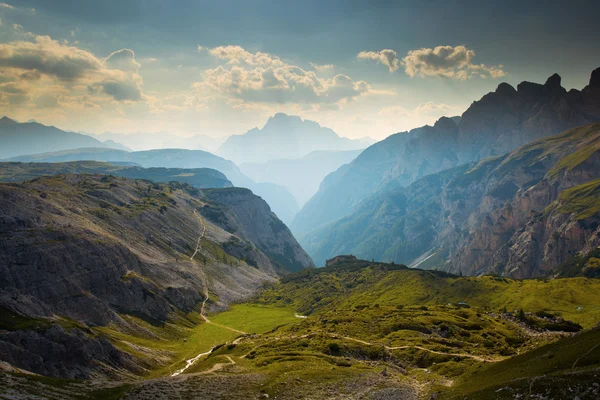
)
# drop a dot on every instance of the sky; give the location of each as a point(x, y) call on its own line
point(217, 68)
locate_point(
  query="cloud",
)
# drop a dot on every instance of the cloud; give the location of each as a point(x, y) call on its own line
point(4, 5)
point(323, 68)
point(430, 108)
point(449, 62)
point(123, 59)
point(238, 55)
point(386, 57)
point(265, 78)
point(48, 60)
point(427, 109)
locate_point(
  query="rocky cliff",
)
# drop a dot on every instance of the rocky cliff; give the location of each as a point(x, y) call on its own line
point(499, 122)
point(522, 214)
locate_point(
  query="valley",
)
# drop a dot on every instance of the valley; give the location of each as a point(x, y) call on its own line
point(370, 331)
point(317, 200)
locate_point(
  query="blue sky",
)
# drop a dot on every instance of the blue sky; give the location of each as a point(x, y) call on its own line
point(363, 68)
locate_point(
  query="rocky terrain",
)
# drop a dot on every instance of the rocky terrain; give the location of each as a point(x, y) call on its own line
point(523, 214)
point(499, 122)
point(85, 251)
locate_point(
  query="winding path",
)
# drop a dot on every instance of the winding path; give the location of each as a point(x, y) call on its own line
point(351, 339)
point(220, 366)
point(191, 361)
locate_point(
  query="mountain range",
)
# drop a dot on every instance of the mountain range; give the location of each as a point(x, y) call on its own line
point(140, 141)
point(167, 282)
point(285, 137)
point(280, 200)
point(524, 214)
point(32, 137)
point(497, 123)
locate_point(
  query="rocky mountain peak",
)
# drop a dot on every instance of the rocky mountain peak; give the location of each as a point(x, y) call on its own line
point(595, 79)
point(505, 89)
point(445, 123)
point(553, 82)
point(282, 118)
point(7, 121)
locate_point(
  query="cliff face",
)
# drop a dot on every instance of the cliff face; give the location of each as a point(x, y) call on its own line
point(252, 220)
point(95, 248)
point(522, 214)
point(500, 122)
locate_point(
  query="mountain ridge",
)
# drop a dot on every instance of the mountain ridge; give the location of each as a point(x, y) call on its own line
point(522, 214)
point(32, 137)
point(499, 122)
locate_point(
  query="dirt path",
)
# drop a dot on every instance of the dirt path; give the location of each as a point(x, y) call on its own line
point(191, 361)
point(351, 339)
point(218, 367)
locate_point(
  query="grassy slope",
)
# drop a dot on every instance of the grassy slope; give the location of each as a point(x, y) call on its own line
point(177, 342)
point(392, 285)
point(554, 367)
point(366, 318)
point(582, 200)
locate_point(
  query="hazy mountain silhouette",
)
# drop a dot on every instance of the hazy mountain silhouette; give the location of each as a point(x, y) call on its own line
point(32, 137)
point(285, 136)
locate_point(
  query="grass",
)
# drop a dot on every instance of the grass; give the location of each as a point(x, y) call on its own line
point(253, 318)
point(565, 357)
point(582, 200)
point(177, 342)
point(368, 284)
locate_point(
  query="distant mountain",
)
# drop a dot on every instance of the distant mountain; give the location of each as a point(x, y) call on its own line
point(114, 145)
point(141, 141)
point(499, 122)
point(85, 257)
point(282, 137)
point(277, 196)
point(199, 177)
point(32, 137)
point(301, 176)
point(532, 212)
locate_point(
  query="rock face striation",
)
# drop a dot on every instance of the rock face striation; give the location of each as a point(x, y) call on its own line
point(500, 122)
point(523, 214)
point(81, 251)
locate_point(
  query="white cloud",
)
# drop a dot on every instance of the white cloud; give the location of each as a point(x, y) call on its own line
point(386, 57)
point(427, 109)
point(4, 5)
point(264, 78)
point(59, 63)
point(322, 68)
point(449, 62)
point(238, 55)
